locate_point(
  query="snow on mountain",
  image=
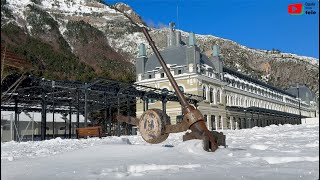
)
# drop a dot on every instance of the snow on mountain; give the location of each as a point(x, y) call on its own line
point(273, 152)
point(100, 15)
point(119, 24)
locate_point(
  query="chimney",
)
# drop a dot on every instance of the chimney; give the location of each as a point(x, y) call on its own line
point(172, 35)
point(215, 50)
point(217, 60)
point(192, 39)
point(142, 50)
point(178, 38)
point(141, 62)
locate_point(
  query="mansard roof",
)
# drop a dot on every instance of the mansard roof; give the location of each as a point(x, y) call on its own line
point(175, 55)
point(246, 77)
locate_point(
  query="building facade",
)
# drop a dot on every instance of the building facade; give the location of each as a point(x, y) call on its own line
point(232, 100)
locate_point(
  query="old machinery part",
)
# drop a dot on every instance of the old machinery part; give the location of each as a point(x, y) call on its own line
point(152, 126)
point(192, 117)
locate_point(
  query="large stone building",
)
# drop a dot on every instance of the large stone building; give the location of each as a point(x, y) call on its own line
point(231, 99)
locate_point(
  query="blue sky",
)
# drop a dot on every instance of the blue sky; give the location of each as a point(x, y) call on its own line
point(262, 24)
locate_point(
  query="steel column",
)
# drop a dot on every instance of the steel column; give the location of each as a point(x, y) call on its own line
point(104, 122)
point(15, 127)
point(78, 108)
point(128, 126)
point(43, 116)
point(118, 113)
point(110, 116)
point(85, 105)
point(70, 120)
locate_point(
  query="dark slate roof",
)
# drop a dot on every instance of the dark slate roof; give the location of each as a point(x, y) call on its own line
point(171, 55)
point(174, 55)
point(205, 60)
point(246, 77)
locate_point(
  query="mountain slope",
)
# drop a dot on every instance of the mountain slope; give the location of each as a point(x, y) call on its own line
point(100, 37)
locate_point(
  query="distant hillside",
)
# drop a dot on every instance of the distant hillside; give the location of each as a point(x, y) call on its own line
point(82, 39)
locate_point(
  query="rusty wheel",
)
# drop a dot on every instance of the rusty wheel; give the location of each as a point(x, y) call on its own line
point(152, 126)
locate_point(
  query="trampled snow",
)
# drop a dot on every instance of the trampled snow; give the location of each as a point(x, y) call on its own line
point(273, 152)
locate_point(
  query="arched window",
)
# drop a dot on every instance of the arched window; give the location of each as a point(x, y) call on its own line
point(211, 95)
point(238, 84)
point(242, 86)
point(181, 89)
point(226, 99)
point(205, 117)
point(164, 91)
point(218, 96)
point(204, 91)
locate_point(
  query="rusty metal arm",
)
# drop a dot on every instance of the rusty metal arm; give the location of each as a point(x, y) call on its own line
point(127, 119)
point(175, 128)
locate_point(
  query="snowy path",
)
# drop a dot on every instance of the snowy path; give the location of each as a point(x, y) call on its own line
point(274, 152)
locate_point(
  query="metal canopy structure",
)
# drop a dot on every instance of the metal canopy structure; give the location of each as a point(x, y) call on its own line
point(74, 97)
point(261, 117)
point(263, 111)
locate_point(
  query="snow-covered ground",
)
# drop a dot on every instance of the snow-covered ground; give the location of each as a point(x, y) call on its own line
point(273, 152)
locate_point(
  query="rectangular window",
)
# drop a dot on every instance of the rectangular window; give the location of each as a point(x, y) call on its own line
point(150, 76)
point(162, 75)
point(179, 71)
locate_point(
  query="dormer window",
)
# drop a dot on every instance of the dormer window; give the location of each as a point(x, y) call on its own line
point(179, 71)
point(162, 75)
point(181, 89)
point(150, 76)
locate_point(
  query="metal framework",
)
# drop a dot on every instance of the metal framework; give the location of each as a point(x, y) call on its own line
point(74, 97)
point(263, 111)
point(262, 117)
